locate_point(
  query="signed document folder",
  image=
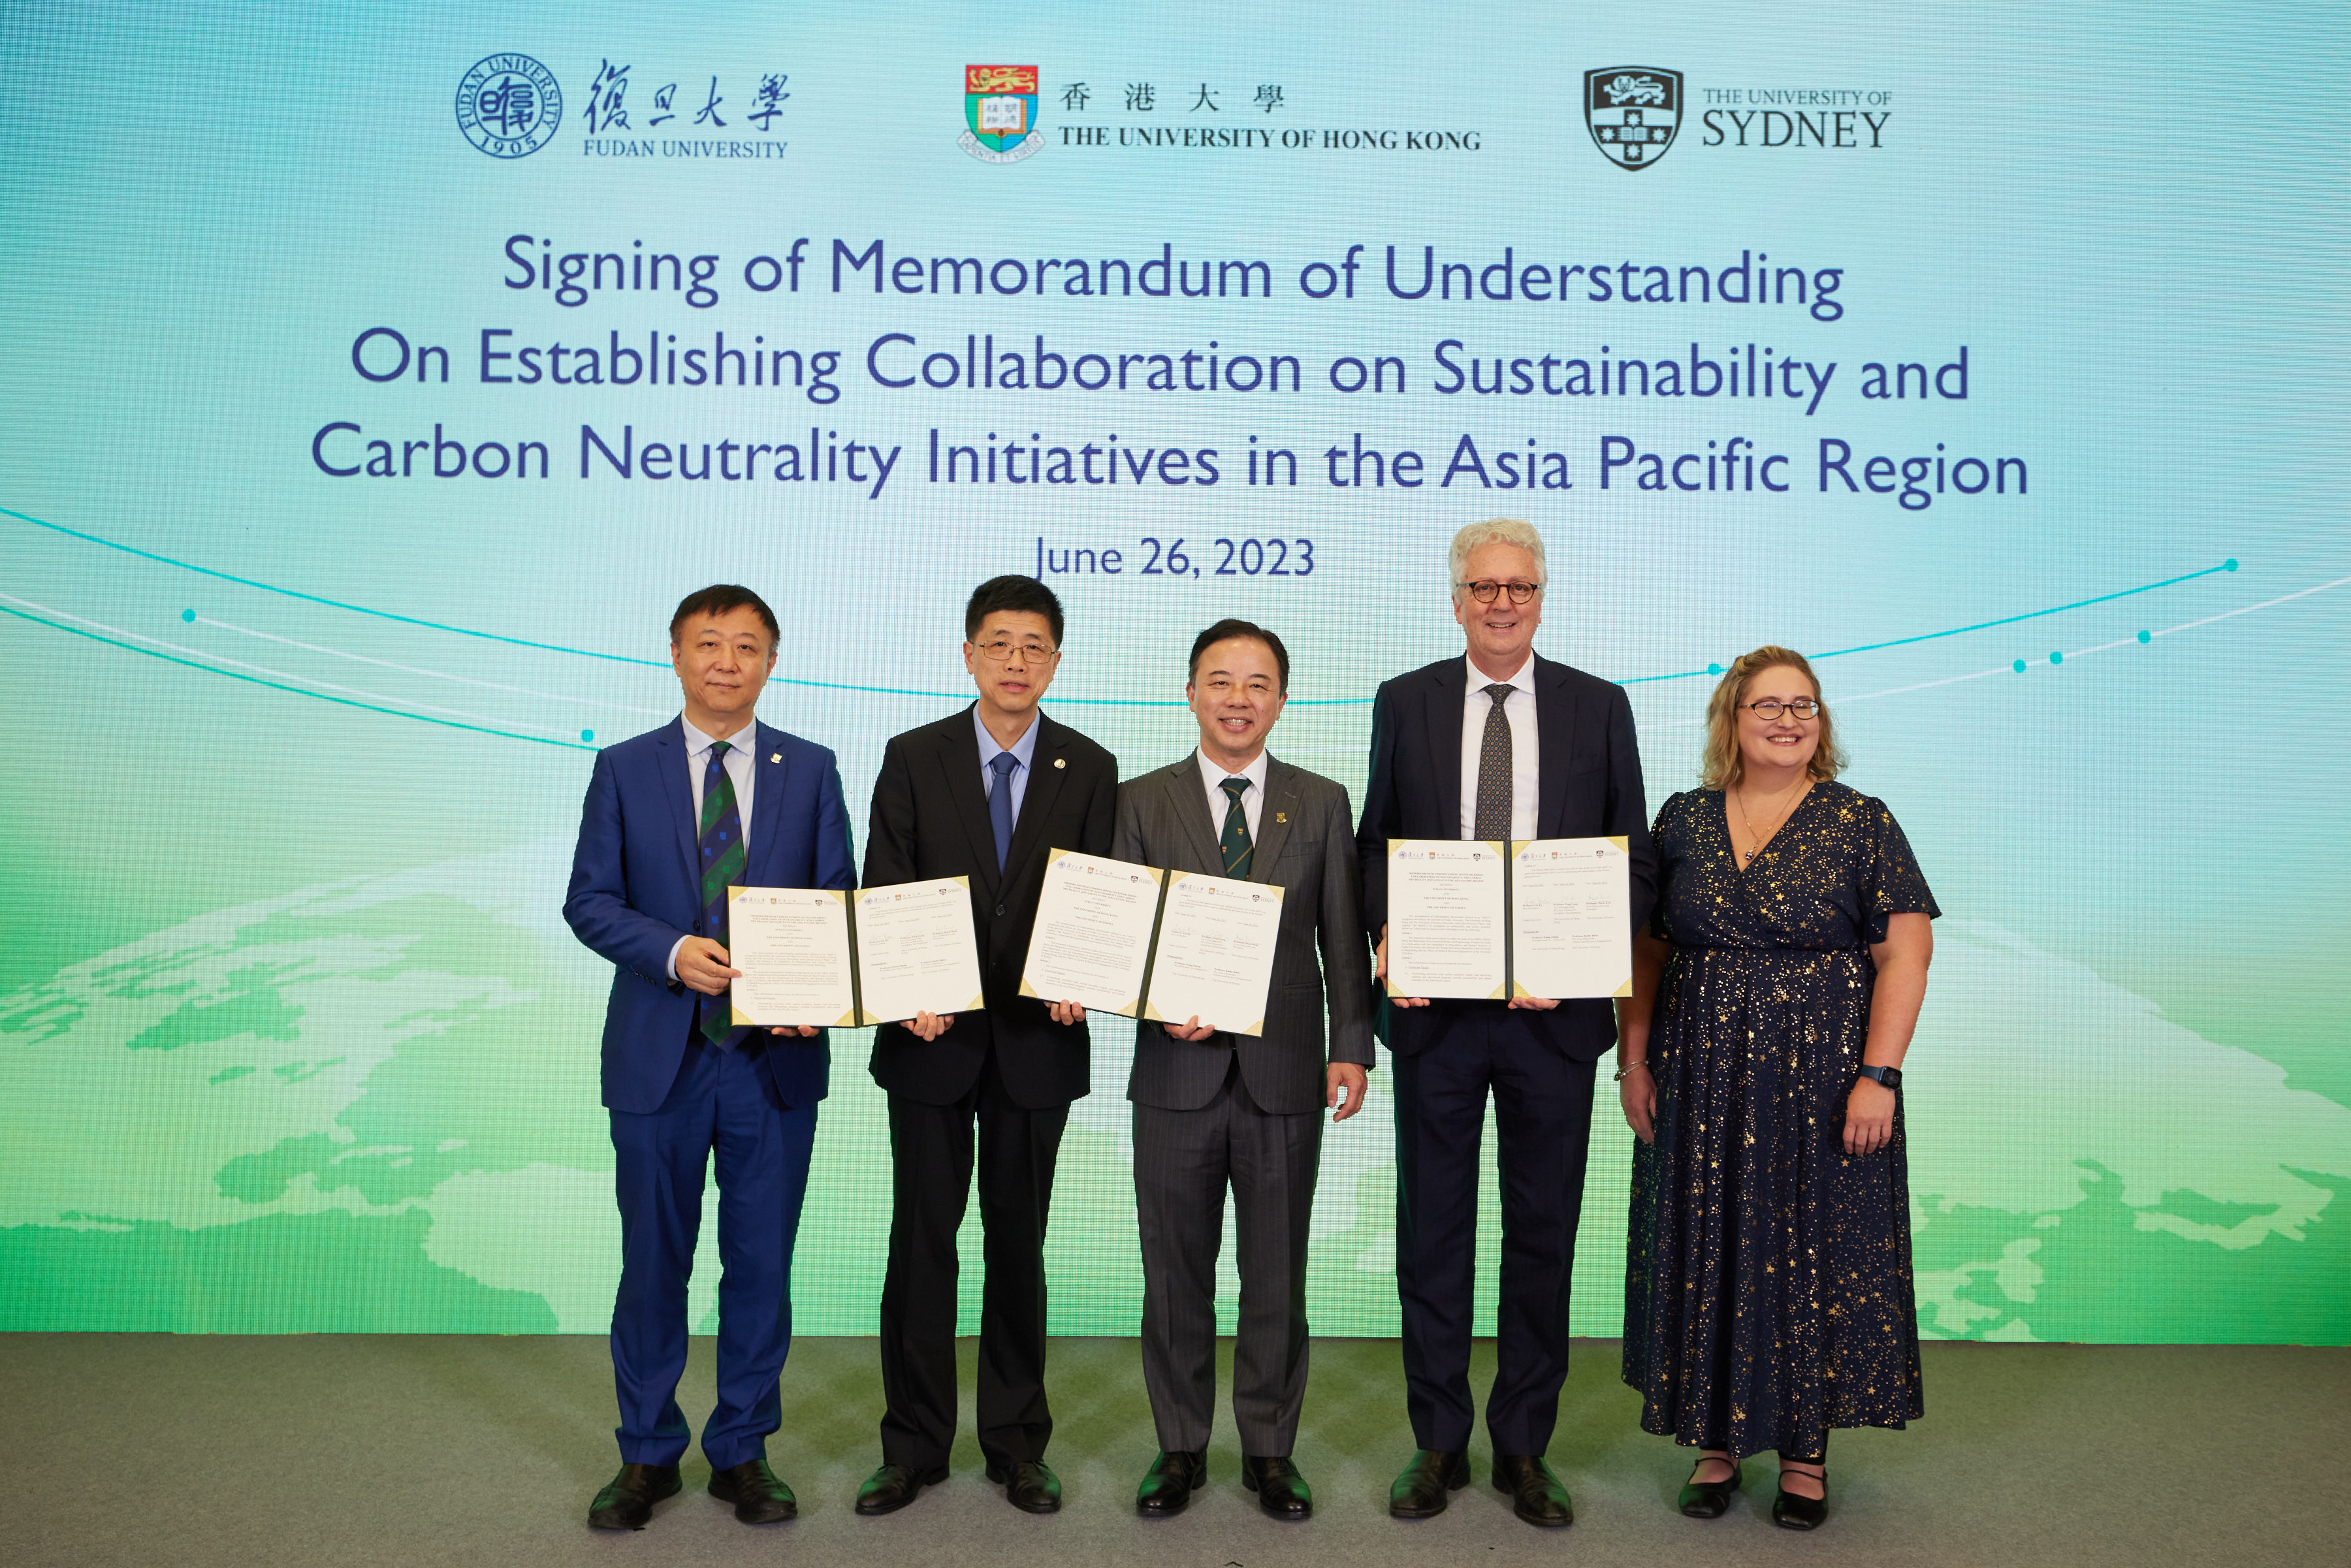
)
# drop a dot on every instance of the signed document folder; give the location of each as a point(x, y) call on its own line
point(1533, 917)
point(833, 958)
point(1119, 937)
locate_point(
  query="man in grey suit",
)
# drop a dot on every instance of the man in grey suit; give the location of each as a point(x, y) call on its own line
point(1214, 1109)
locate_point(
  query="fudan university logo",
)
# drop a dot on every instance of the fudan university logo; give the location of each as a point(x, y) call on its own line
point(508, 105)
point(1633, 112)
point(1000, 108)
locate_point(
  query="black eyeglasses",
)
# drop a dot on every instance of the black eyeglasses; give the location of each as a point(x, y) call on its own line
point(1484, 592)
point(1770, 708)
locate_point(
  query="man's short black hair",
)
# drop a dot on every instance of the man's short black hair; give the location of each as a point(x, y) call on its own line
point(1229, 627)
point(722, 599)
point(1015, 594)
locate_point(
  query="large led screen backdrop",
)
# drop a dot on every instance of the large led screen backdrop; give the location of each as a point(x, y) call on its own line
point(376, 379)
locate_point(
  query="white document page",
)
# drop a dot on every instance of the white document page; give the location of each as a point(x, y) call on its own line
point(1445, 918)
point(1570, 918)
point(917, 950)
point(1093, 936)
point(1215, 952)
point(792, 946)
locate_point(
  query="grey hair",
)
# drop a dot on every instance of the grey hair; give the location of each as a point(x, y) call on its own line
point(1493, 531)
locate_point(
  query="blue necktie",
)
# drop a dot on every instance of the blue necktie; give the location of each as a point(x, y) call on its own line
point(999, 803)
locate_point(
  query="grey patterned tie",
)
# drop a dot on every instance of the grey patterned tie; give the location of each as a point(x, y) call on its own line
point(1494, 784)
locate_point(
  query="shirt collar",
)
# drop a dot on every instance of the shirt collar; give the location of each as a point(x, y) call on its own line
point(1215, 774)
point(698, 744)
point(1524, 679)
point(1022, 749)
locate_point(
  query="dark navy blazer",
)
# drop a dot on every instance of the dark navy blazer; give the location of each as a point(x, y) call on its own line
point(636, 888)
point(1587, 784)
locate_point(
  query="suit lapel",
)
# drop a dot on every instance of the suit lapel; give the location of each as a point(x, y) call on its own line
point(1556, 730)
point(768, 766)
point(671, 759)
point(1047, 769)
point(1446, 695)
point(959, 763)
point(1187, 802)
point(1275, 816)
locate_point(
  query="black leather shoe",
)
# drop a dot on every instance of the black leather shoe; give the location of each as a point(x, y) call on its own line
point(1419, 1491)
point(1710, 1500)
point(1167, 1487)
point(758, 1495)
point(1281, 1490)
point(1030, 1486)
point(1536, 1495)
point(628, 1501)
point(892, 1486)
point(1789, 1511)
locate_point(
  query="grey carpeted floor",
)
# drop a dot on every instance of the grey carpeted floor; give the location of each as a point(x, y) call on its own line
point(253, 1452)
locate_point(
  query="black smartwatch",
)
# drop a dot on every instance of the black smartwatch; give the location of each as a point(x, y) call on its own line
point(1889, 1076)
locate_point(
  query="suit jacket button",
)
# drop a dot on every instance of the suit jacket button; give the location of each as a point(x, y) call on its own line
point(999, 909)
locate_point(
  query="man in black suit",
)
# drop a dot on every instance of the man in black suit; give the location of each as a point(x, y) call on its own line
point(983, 793)
point(1213, 1109)
point(1501, 745)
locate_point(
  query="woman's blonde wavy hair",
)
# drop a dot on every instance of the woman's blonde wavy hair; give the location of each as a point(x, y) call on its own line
point(1721, 765)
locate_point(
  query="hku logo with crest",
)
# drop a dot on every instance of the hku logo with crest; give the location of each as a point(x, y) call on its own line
point(999, 105)
point(1632, 111)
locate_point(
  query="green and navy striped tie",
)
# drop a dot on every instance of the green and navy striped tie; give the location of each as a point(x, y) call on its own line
point(722, 859)
point(1235, 840)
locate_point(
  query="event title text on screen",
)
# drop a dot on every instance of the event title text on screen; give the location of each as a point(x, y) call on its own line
point(572, 278)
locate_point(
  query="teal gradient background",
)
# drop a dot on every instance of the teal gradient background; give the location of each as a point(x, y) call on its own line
point(294, 1036)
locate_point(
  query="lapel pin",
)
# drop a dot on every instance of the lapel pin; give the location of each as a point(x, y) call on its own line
point(1282, 816)
point(1059, 763)
point(774, 756)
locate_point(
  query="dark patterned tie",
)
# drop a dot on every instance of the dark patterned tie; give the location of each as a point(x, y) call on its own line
point(1494, 783)
point(999, 804)
point(722, 859)
point(1234, 842)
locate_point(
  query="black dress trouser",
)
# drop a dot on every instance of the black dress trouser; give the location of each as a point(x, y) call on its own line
point(935, 1151)
point(1542, 1116)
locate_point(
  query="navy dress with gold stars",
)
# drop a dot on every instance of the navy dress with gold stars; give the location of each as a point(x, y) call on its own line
point(1767, 1283)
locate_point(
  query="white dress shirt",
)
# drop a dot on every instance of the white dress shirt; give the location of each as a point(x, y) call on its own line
point(1213, 777)
point(742, 766)
point(1518, 710)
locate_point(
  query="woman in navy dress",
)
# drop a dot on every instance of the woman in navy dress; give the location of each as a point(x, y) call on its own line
point(1768, 1294)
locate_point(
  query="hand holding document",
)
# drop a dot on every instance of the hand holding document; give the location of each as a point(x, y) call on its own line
point(820, 957)
point(791, 946)
point(1545, 918)
point(1447, 928)
point(1214, 959)
point(1173, 946)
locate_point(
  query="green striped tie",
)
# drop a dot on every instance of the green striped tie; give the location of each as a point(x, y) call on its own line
point(722, 859)
point(1234, 841)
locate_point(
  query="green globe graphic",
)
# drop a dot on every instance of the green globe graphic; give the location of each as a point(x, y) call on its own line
point(370, 1106)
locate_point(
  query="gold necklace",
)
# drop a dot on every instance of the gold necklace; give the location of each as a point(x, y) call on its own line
point(1760, 838)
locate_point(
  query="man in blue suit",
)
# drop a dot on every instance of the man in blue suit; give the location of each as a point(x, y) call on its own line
point(674, 818)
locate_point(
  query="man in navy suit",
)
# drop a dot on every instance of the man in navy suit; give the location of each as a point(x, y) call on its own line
point(1494, 744)
point(674, 818)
